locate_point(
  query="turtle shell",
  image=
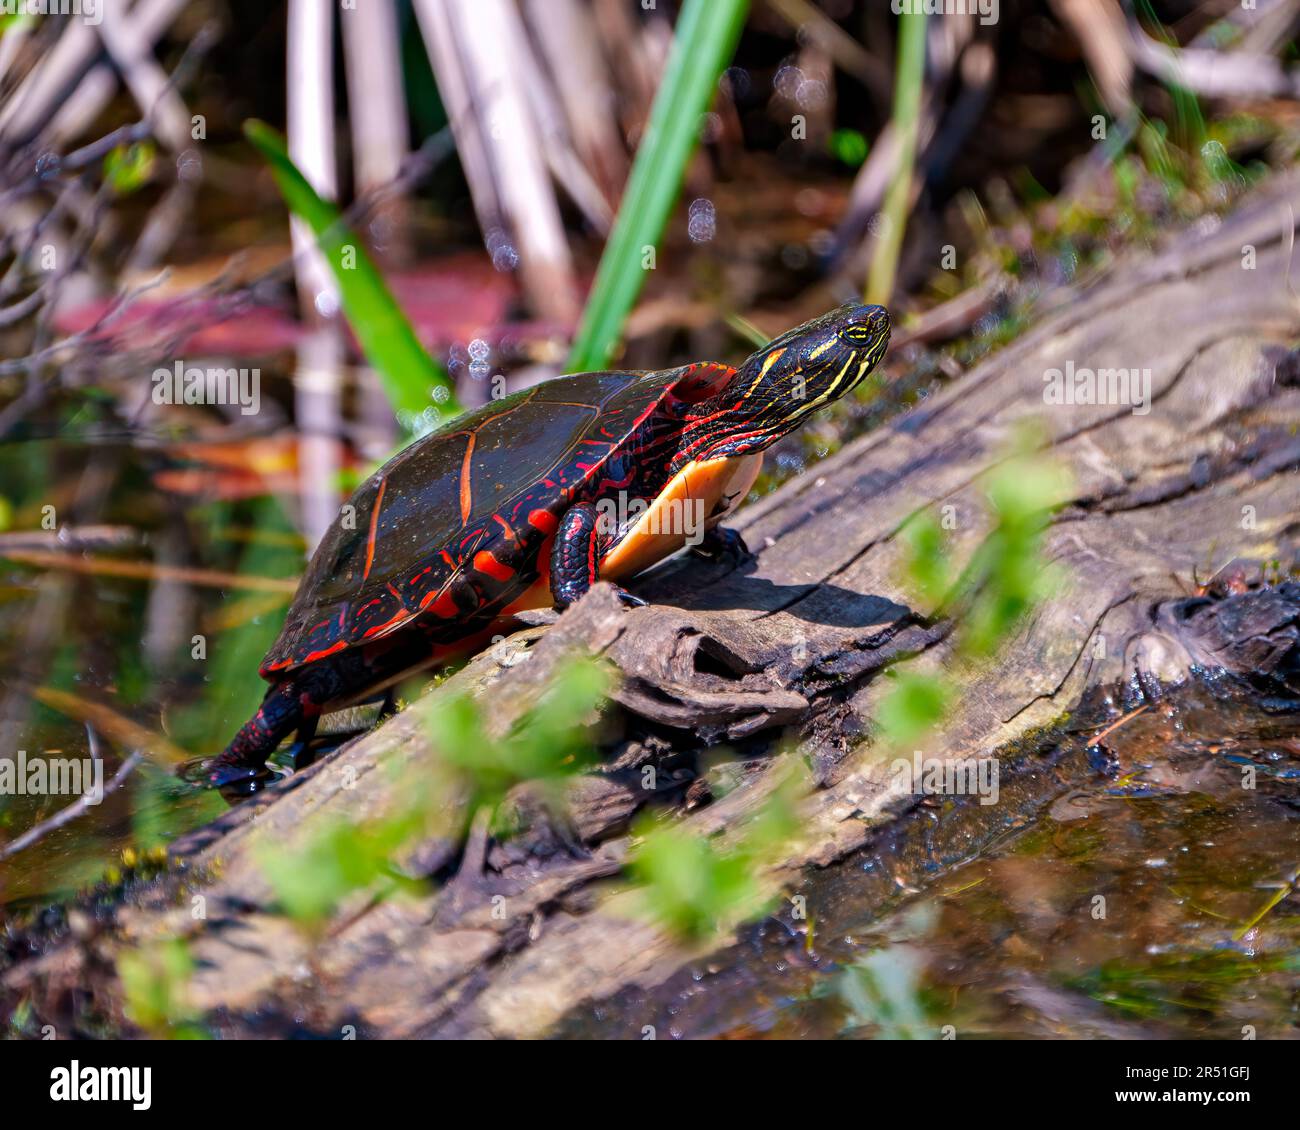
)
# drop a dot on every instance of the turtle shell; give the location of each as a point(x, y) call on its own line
point(451, 529)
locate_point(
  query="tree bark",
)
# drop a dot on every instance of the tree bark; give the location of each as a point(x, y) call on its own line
point(787, 649)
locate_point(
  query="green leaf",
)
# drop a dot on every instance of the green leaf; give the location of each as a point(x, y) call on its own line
point(909, 80)
point(412, 380)
point(882, 991)
point(13, 19)
point(690, 888)
point(849, 146)
point(697, 889)
point(926, 565)
point(155, 982)
point(706, 35)
point(127, 167)
point(916, 705)
point(329, 862)
point(549, 743)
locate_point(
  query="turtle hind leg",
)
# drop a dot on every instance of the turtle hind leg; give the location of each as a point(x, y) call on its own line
point(575, 557)
point(288, 706)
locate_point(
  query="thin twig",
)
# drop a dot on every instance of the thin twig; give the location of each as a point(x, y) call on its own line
point(1213, 74)
point(130, 46)
point(111, 315)
point(1120, 722)
point(807, 19)
point(148, 571)
point(310, 113)
point(67, 815)
point(94, 152)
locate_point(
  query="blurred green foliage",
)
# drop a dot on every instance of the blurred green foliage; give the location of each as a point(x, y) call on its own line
point(155, 982)
point(689, 886)
point(698, 890)
point(128, 167)
point(14, 18)
point(916, 704)
point(334, 859)
point(412, 380)
point(465, 770)
point(236, 652)
point(881, 992)
point(928, 568)
point(548, 745)
point(1004, 579)
point(1174, 982)
point(1007, 574)
point(849, 146)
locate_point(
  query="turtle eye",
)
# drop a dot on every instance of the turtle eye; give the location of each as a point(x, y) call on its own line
point(857, 334)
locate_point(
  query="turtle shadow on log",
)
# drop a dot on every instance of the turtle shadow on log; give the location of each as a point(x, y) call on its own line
point(694, 585)
point(828, 605)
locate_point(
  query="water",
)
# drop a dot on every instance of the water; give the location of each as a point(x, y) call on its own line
point(1159, 902)
point(102, 662)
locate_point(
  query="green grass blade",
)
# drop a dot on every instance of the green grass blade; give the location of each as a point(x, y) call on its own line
point(408, 374)
point(907, 118)
point(706, 35)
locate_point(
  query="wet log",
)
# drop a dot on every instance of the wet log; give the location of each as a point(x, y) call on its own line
point(788, 649)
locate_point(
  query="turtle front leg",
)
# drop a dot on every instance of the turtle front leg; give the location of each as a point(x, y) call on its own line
point(575, 557)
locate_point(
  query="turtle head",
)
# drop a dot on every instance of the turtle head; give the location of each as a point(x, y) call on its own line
point(792, 377)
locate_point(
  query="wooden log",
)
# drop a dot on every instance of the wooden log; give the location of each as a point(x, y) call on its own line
point(788, 647)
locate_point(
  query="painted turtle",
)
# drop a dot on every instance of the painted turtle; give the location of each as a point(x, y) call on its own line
point(528, 501)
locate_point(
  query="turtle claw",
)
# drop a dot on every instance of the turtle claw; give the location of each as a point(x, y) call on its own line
point(628, 599)
point(623, 595)
point(234, 781)
point(721, 543)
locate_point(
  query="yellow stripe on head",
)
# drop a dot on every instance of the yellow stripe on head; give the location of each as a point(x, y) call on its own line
point(829, 394)
point(768, 361)
point(825, 345)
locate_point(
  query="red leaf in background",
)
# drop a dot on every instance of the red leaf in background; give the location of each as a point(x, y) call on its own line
point(252, 332)
point(450, 300)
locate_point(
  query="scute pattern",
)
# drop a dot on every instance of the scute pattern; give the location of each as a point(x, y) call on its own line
point(451, 529)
